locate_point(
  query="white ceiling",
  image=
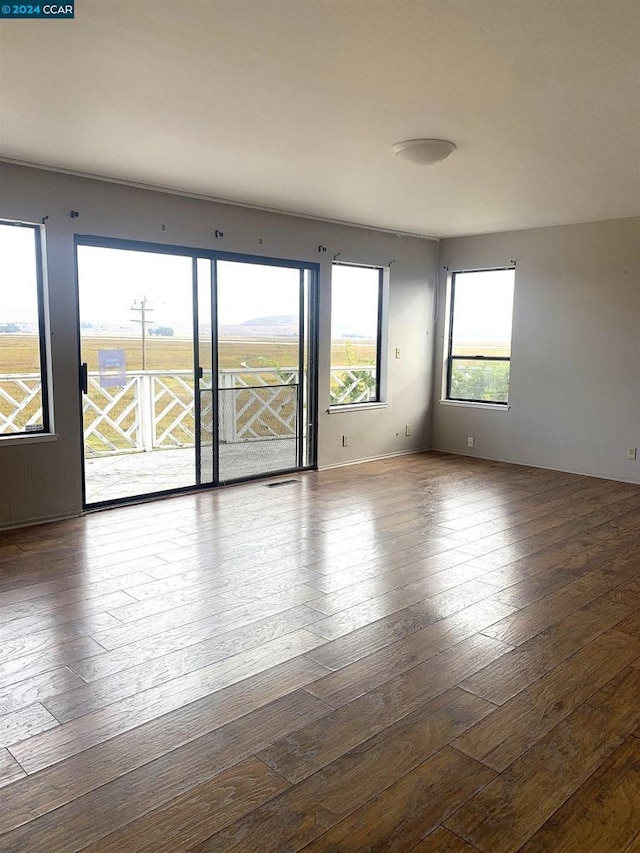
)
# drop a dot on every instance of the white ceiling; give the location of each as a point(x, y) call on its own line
point(294, 104)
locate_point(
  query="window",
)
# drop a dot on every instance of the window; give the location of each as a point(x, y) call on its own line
point(479, 351)
point(23, 374)
point(356, 311)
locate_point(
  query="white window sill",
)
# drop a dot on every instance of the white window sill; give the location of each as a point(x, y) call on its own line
point(27, 438)
point(494, 407)
point(355, 407)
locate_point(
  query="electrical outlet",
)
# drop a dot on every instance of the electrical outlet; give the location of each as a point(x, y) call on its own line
point(470, 441)
point(345, 441)
point(407, 429)
point(632, 454)
point(397, 352)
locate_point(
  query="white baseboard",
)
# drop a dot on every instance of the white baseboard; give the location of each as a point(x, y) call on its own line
point(372, 459)
point(532, 465)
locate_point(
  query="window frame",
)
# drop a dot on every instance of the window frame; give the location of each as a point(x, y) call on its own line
point(43, 336)
point(450, 358)
point(379, 399)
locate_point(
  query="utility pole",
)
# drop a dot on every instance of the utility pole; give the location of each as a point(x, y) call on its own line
point(142, 307)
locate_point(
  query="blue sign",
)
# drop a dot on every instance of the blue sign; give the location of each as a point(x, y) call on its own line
point(112, 367)
point(54, 11)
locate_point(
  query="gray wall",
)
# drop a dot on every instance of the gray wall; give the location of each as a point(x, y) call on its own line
point(575, 370)
point(43, 480)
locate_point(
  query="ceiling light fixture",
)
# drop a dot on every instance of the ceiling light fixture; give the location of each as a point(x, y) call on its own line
point(423, 152)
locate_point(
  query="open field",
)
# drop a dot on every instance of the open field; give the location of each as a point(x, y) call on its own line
point(19, 353)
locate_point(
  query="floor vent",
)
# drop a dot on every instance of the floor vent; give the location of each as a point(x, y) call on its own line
point(281, 483)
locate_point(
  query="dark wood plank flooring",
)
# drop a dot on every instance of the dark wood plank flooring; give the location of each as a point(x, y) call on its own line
point(427, 653)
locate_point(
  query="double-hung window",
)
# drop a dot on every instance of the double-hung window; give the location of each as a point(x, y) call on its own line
point(23, 368)
point(479, 343)
point(356, 334)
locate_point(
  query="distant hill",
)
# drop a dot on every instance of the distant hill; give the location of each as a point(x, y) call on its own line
point(273, 326)
point(273, 320)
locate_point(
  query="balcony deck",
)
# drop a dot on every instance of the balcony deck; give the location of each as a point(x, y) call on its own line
point(113, 477)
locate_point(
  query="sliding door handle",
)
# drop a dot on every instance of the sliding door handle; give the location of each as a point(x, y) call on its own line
point(84, 378)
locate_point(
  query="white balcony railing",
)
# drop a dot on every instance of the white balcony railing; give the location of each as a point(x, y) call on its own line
point(155, 409)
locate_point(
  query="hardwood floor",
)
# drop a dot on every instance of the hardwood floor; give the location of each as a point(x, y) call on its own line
point(427, 653)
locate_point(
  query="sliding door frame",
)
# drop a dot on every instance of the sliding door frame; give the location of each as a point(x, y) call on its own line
point(309, 310)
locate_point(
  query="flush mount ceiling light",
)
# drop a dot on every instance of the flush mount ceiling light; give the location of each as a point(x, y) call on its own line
point(423, 152)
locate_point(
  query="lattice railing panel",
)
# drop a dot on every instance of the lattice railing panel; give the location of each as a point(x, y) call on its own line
point(20, 402)
point(268, 411)
point(261, 376)
point(173, 411)
point(112, 417)
point(352, 385)
point(155, 409)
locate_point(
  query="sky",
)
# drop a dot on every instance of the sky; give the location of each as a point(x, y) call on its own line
point(483, 300)
point(354, 301)
point(111, 279)
point(247, 291)
point(18, 282)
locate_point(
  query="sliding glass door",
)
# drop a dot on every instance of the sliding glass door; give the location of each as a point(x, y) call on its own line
point(259, 369)
point(196, 368)
point(137, 372)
